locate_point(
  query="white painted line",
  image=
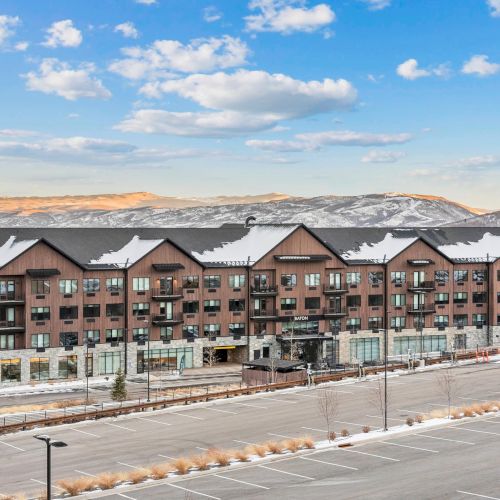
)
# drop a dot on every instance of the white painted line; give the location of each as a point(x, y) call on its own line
point(285, 472)
point(389, 381)
point(120, 427)
point(243, 442)
point(329, 463)
point(242, 482)
point(202, 449)
point(477, 495)
point(408, 446)
point(305, 395)
point(183, 415)
point(473, 399)
point(278, 400)
point(85, 432)
point(411, 411)
point(128, 465)
point(45, 484)
point(473, 430)
point(335, 390)
point(437, 404)
point(348, 423)
point(12, 446)
point(125, 496)
point(221, 411)
point(490, 421)
point(313, 429)
point(153, 421)
point(280, 435)
point(84, 473)
point(192, 491)
point(166, 456)
point(445, 439)
point(251, 406)
point(370, 454)
point(388, 418)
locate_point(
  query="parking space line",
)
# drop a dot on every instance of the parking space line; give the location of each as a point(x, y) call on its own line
point(120, 427)
point(408, 446)
point(388, 418)
point(242, 482)
point(243, 442)
point(221, 411)
point(264, 398)
point(166, 456)
point(152, 420)
point(183, 415)
point(286, 472)
point(491, 421)
point(477, 495)
point(336, 390)
point(192, 491)
point(11, 445)
point(313, 429)
point(280, 435)
point(251, 406)
point(472, 430)
point(84, 473)
point(437, 404)
point(125, 496)
point(473, 399)
point(370, 454)
point(348, 423)
point(329, 463)
point(45, 484)
point(84, 432)
point(128, 465)
point(200, 448)
point(445, 439)
point(411, 411)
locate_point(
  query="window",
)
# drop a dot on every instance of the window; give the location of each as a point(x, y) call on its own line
point(353, 300)
point(300, 327)
point(91, 310)
point(441, 276)
point(375, 323)
point(398, 299)
point(312, 302)
point(190, 307)
point(114, 335)
point(67, 366)
point(67, 339)
point(211, 281)
point(91, 285)
point(211, 330)
point(10, 370)
point(68, 312)
point(479, 319)
point(312, 279)
point(498, 297)
point(140, 309)
point(114, 284)
point(260, 328)
point(40, 340)
point(460, 320)
point(479, 297)
point(441, 298)
point(114, 310)
point(237, 328)
point(375, 278)
point(375, 300)
point(431, 343)
point(190, 282)
point(480, 275)
point(92, 336)
point(398, 277)
point(109, 362)
point(39, 368)
point(40, 287)
point(40, 313)
point(211, 305)
point(236, 280)
point(353, 324)
point(139, 334)
point(7, 341)
point(236, 305)
point(353, 278)
point(398, 321)
point(335, 325)
point(289, 280)
point(140, 284)
point(440, 320)
point(68, 286)
point(288, 304)
point(363, 350)
point(166, 333)
point(460, 298)
point(167, 309)
point(164, 359)
point(190, 331)
point(460, 275)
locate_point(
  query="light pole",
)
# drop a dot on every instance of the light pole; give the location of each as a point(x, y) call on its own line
point(421, 294)
point(57, 444)
point(149, 361)
point(89, 344)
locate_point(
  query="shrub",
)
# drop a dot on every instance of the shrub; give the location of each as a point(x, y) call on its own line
point(419, 419)
point(439, 413)
point(201, 462)
point(42, 495)
point(308, 442)
point(240, 455)
point(410, 421)
point(220, 457)
point(258, 449)
point(456, 414)
point(160, 471)
point(107, 480)
point(292, 445)
point(468, 412)
point(344, 433)
point(274, 447)
point(331, 436)
point(182, 465)
point(76, 486)
point(487, 407)
point(366, 428)
point(138, 475)
point(476, 408)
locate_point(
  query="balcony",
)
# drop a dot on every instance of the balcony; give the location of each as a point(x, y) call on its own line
point(167, 320)
point(334, 312)
point(11, 298)
point(335, 289)
point(169, 293)
point(421, 286)
point(264, 290)
point(264, 314)
point(11, 326)
point(421, 308)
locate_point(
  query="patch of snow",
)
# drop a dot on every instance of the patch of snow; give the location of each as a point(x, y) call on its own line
point(389, 247)
point(12, 248)
point(489, 244)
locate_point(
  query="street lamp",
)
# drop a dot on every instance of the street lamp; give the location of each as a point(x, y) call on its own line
point(421, 294)
point(56, 444)
point(149, 361)
point(89, 344)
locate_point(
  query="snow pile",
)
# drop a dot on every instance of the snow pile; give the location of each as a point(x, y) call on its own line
point(12, 248)
point(489, 244)
point(134, 250)
point(387, 248)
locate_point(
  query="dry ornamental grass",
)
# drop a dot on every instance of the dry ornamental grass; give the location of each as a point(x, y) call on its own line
point(182, 465)
point(201, 462)
point(220, 457)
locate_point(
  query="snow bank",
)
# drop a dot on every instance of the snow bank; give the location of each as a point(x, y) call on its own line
point(489, 244)
point(13, 248)
point(389, 247)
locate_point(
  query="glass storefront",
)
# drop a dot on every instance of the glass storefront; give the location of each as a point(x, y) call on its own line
point(39, 368)
point(431, 343)
point(300, 328)
point(364, 350)
point(109, 362)
point(67, 366)
point(165, 359)
point(10, 370)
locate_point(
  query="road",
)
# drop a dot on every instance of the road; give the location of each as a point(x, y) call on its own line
point(132, 441)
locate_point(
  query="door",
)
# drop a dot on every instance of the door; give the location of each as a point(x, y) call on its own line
point(260, 281)
point(335, 280)
point(335, 304)
point(167, 284)
point(167, 308)
point(418, 277)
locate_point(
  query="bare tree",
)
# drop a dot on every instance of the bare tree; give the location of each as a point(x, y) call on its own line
point(210, 357)
point(448, 386)
point(273, 369)
point(376, 398)
point(328, 406)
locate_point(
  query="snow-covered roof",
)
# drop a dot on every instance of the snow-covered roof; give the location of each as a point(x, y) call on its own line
point(250, 247)
point(386, 249)
point(12, 248)
point(129, 254)
point(487, 246)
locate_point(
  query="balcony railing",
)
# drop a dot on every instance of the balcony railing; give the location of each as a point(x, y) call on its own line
point(11, 296)
point(171, 293)
point(12, 326)
point(264, 290)
point(338, 288)
point(421, 308)
point(421, 286)
point(334, 311)
point(167, 319)
point(264, 313)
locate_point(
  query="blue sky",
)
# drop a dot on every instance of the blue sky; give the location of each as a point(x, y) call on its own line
point(202, 98)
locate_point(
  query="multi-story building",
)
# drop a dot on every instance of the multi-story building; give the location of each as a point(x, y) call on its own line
point(73, 300)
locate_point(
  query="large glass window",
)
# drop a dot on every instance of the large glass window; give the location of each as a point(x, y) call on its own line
point(375, 278)
point(7, 341)
point(114, 335)
point(211, 329)
point(441, 276)
point(92, 336)
point(40, 313)
point(140, 309)
point(364, 349)
point(91, 285)
point(68, 312)
point(460, 319)
point(68, 366)
point(140, 334)
point(40, 287)
point(440, 320)
point(140, 284)
point(288, 304)
point(115, 310)
point(164, 359)
point(398, 321)
point(312, 302)
point(479, 319)
point(190, 282)
point(211, 305)
point(10, 370)
point(441, 298)
point(114, 284)
point(236, 280)
point(236, 305)
point(313, 279)
point(190, 307)
point(479, 275)
point(300, 327)
point(39, 368)
point(353, 300)
point(479, 297)
point(40, 340)
point(237, 328)
point(67, 339)
point(68, 286)
point(353, 278)
point(398, 277)
point(91, 310)
point(460, 276)
point(166, 332)
point(289, 280)
point(398, 299)
point(109, 362)
point(353, 324)
point(431, 343)
point(375, 323)
point(190, 331)
point(375, 300)
point(460, 297)
point(211, 281)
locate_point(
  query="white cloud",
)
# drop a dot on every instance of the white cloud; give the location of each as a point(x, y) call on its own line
point(13, 132)
point(279, 146)
point(21, 46)
point(146, 2)
point(288, 16)
point(7, 23)
point(480, 66)
point(63, 34)
point(377, 4)
point(376, 156)
point(56, 77)
point(211, 14)
point(477, 161)
point(495, 7)
point(204, 54)
point(409, 70)
point(127, 29)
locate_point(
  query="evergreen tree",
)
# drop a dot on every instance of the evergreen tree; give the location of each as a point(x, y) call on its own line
point(118, 390)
